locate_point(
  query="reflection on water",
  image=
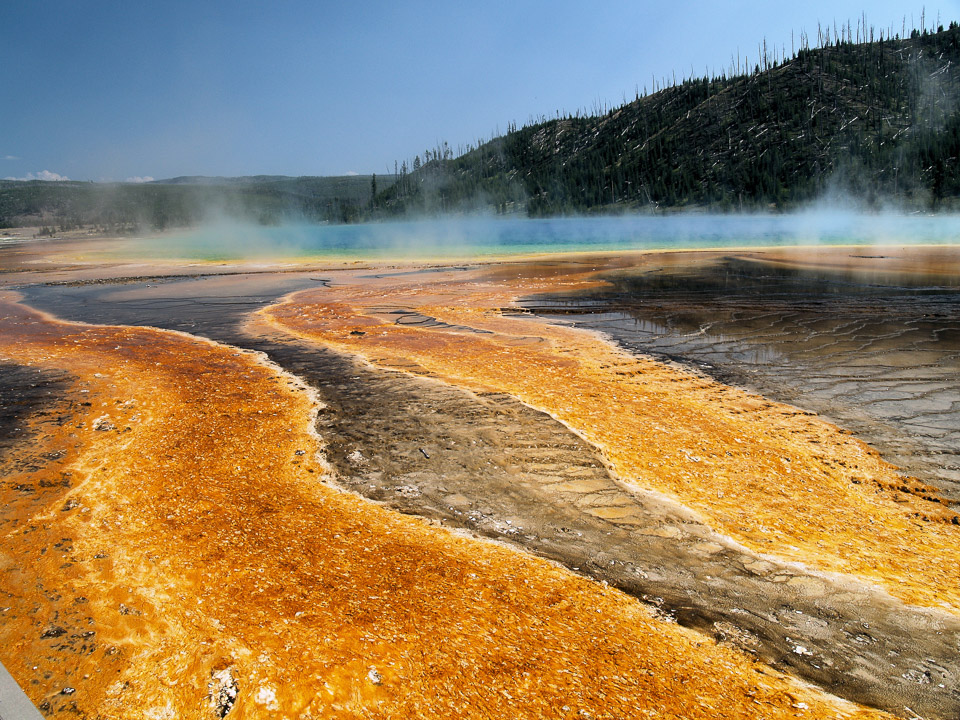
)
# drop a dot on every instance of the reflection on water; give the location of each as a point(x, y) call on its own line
point(880, 359)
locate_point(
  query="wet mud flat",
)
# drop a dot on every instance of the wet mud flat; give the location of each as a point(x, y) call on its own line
point(487, 463)
point(878, 353)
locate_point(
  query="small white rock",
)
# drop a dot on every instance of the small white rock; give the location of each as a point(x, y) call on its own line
point(267, 696)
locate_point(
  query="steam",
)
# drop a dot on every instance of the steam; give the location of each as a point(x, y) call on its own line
point(224, 239)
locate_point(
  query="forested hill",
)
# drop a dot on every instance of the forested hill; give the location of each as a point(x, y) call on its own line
point(878, 121)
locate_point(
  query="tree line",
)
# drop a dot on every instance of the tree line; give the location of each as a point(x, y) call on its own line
point(122, 208)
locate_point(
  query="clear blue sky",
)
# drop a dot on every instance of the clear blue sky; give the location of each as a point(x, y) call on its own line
point(96, 90)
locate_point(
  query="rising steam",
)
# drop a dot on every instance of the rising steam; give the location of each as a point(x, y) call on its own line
point(461, 238)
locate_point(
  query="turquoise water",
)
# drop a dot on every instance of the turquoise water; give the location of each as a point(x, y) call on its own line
point(473, 236)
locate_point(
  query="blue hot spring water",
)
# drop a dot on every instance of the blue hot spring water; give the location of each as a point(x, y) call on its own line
point(453, 238)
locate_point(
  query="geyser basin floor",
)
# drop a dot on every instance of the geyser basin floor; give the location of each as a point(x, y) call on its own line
point(492, 465)
point(171, 540)
point(175, 555)
point(427, 401)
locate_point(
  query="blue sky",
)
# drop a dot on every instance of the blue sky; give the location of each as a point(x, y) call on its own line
point(97, 90)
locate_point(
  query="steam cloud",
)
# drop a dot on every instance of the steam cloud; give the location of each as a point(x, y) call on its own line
point(225, 238)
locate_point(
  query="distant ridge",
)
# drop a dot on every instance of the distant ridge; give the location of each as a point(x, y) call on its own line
point(185, 201)
point(254, 179)
point(220, 180)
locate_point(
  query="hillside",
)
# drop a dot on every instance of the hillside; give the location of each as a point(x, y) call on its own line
point(127, 207)
point(877, 121)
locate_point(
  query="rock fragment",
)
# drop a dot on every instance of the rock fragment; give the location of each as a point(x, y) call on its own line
point(223, 691)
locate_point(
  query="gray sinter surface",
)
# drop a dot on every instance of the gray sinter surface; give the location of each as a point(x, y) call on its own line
point(880, 360)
